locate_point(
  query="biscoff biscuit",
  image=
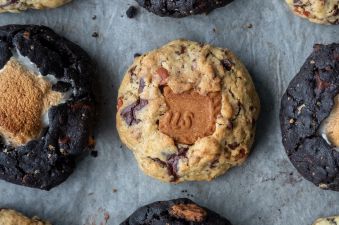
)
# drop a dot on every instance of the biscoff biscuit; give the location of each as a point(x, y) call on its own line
point(190, 115)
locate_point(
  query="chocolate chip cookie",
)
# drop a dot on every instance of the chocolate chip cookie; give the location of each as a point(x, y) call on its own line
point(309, 118)
point(188, 111)
point(46, 105)
point(181, 8)
point(334, 220)
point(177, 212)
point(11, 217)
point(21, 5)
point(317, 11)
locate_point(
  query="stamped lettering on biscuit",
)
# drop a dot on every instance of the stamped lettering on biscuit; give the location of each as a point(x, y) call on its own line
point(190, 115)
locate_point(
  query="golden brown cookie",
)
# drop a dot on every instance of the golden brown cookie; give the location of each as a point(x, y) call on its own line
point(327, 221)
point(317, 11)
point(187, 111)
point(11, 217)
point(21, 5)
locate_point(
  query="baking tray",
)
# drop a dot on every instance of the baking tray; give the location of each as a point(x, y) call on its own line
point(266, 190)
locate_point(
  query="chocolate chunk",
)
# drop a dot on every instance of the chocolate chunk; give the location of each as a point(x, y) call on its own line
point(141, 85)
point(8, 2)
point(227, 64)
point(233, 145)
point(172, 162)
point(129, 112)
point(321, 84)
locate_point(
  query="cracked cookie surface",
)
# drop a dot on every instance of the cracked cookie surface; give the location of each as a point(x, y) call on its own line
point(305, 107)
point(21, 5)
point(187, 111)
point(11, 217)
point(46, 105)
point(175, 212)
point(181, 8)
point(317, 11)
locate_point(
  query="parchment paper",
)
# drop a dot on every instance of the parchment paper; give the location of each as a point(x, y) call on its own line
point(267, 190)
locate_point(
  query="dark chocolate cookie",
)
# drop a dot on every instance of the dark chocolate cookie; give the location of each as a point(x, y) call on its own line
point(181, 8)
point(175, 212)
point(310, 120)
point(46, 105)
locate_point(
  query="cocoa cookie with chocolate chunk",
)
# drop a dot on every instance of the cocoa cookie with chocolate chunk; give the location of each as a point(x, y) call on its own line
point(21, 5)
point(187, 111)
point(317, 11)
point(46, 105)
point(175, 212)
point(11, 217)
point(181, 8)
point(309, 118)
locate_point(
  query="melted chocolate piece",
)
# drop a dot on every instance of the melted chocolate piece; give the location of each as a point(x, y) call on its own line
point(141, 85)
point(129, 113)
point(172, 162)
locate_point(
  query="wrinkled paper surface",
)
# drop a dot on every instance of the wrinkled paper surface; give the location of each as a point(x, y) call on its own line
point(266, 190)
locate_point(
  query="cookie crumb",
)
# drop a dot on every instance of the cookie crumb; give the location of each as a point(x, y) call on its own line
point(131, 12)
point(106, 216)
point(94, 154)
point(248, 26)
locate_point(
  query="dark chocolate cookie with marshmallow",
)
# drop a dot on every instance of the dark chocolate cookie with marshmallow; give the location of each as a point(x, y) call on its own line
point(175, 212)
point(309, 118)
point(46, 105)
point(181, 8)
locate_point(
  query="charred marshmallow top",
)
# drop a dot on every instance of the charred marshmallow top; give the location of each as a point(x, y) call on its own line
point(330, 126)
point(26, 96)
